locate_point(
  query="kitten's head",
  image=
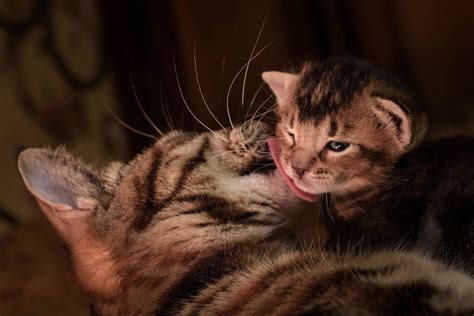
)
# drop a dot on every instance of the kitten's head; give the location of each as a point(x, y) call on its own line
point(342, 124)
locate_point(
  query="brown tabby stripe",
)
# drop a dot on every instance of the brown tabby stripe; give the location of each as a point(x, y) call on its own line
point(148, 211)
point(375, 156)
point(339, 279)
point(265, 285)
point(152, 207)
point(332, 128)
point(405, 299)
point(220, 211)
point(208, 271)
point(211, 297)
point(204, 198)
point(347, 82)
point(204, 203)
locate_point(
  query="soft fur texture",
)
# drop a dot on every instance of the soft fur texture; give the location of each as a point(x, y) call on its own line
point(194, 226)
point(351, 133)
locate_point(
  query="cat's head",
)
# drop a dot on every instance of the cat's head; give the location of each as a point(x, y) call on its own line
point(187, 196)
point(342, 124)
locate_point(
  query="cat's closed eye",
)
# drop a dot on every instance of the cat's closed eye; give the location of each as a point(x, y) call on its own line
point(337, 146)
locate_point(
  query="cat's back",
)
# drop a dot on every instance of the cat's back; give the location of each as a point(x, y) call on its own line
point(441, 163)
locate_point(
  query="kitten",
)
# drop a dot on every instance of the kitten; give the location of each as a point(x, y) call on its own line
point(190, 227)
point(348, 134)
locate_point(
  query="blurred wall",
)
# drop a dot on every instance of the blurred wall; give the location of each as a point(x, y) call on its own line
point(426, 43)
point(53, 81)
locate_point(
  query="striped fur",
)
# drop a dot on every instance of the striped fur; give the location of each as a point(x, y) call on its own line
point(192, 227)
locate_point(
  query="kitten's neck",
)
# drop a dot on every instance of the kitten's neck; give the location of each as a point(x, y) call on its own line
point(351, 205)
point(355, 221)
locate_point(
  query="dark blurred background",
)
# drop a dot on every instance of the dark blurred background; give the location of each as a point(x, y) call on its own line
point(64, 62)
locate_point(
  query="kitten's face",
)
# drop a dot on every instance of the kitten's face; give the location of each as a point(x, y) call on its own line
point(342, 153)
point(339, 129)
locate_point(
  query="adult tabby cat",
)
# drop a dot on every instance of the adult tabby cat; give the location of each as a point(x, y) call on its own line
point(189, 227)
point(348, 132)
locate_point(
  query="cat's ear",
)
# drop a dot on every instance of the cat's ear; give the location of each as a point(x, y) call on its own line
point(67, 191)
point(280, 83)
point(65, 188)
point(396, 120)
point(112, 174)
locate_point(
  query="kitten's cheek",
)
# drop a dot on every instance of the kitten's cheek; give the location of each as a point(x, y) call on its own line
point(341, 178)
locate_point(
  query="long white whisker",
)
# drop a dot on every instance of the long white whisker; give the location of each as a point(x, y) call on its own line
point(135, 95)
point(237, 75)
point(248, 63)
point(200, 90)
point(184, 100)
point(255, 114)
point(165, 112)
point(223, 67)
point(252, 101)
point(125, 124)
point(261, 105)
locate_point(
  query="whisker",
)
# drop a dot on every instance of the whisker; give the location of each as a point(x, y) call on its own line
point(352, 202)
point(271, 109)
point(252, 101)
point(251, 120)
point(255, 115)
point(261, 105)
point(237, 75)
point(262, 167)
point(232, 38)
point(185, 102)
point(200, 90)
point(223, 67)
point(248, 63)
point(141, 107)
point(125, 124)
point(165, 108)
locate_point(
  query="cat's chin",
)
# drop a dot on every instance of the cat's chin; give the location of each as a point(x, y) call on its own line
point(275, 151)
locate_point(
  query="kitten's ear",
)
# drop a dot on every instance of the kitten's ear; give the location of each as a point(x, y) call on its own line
point(396, 119)
point(280, 83)
point(67, 191)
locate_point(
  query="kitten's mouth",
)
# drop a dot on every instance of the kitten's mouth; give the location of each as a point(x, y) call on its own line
point(275, 151)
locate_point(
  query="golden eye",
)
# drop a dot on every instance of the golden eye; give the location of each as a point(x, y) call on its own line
point(337, 146)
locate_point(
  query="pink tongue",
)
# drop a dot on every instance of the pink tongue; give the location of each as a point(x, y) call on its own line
point(275, 150)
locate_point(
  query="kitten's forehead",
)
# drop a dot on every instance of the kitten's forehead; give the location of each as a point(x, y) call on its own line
point(330, 124)
point(313, 136)
point(331, 86)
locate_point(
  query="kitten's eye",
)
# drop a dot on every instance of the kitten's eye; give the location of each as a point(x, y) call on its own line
point(337, 146)
point(292, 136)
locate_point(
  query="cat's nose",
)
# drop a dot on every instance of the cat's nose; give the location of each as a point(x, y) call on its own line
point(299, 171)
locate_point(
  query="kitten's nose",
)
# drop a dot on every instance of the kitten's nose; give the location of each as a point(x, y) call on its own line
point(300, 161)
point(299, 171)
